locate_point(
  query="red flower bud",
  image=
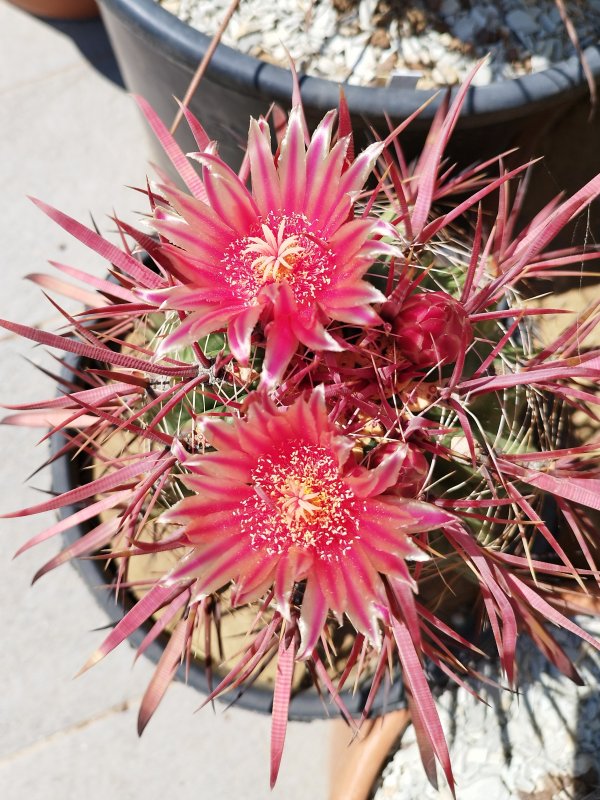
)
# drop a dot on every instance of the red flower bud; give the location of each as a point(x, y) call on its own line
point(432, 328)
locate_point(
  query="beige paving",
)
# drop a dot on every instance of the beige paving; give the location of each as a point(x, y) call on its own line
point(73, 138)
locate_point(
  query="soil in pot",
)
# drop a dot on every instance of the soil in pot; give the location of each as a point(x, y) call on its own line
point(369, 42)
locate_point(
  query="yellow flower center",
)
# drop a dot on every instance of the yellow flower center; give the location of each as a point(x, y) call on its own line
point(280, 248)
point(275, 256)
point(300, 499)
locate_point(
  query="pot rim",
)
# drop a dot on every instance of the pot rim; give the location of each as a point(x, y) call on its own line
point(503, 100)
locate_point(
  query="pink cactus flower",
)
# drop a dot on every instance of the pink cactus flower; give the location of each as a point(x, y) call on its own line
point(288, 253)
point(281, 499)
point(431, 329)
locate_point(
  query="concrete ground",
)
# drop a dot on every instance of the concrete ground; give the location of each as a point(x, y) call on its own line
point(72, 136)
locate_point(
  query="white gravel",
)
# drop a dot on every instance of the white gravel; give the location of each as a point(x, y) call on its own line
point(423, 42)
point(542, 744)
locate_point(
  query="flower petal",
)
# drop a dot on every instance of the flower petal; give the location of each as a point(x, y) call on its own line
point(332, 583)
point(225, 498)
point(221, 434)
point(199, 216)
point(350, 183)
point(312, 618)
point(192, 298)
point(265, 181)
point(213, 553)
point(388, 563)
point(227, 194)
point(285, 577)
point(355, 315)
point(292, 163)
point(219, 525)
point(281, 346)
point(240, 330)
point(362, 593)
point(233, 466)
point(224, 571)
point(375, 481)
point(322, 190)
point(254, 581)
point(351, 295)
point(348, 239)
point(178, 231)
point(195, 327)
point(314, 335)
point(320, 143)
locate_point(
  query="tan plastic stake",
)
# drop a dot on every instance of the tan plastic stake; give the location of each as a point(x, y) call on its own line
point(355, 766)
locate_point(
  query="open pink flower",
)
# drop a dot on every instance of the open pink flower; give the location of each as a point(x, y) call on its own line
point(281, 500)
point(286, 253)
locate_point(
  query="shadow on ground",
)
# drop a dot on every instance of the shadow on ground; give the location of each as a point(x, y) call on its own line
point(91, 40)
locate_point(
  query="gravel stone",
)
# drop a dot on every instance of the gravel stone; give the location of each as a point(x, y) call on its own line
point(479, 19)
point(484, 76)
point(345, 40)
point(449, 7)
point(464, 28)
point(521, 22)
point(541, 743)
point(539, 63)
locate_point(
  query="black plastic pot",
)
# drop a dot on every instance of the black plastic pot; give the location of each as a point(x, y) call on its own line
point(158, 55)
point(306, 705)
